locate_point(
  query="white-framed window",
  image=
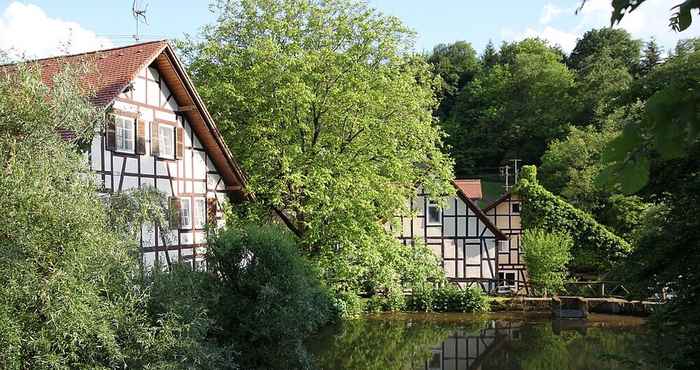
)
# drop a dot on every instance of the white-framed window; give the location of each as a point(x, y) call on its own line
point(166, 141)
point(506, 279)
point(200, 212)
point(433, 213)
point(185, 213)
point(124, 134)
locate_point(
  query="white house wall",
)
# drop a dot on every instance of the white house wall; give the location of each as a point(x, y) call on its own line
point(193, 176)
point(462, 242)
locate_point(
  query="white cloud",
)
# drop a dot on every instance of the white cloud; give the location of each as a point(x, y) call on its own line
point(26, 30)
point(549, 12)
point(649, 20)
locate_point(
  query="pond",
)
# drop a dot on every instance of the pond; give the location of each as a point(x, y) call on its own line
point(485, 342)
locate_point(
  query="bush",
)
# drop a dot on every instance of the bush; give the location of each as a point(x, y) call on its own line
point(449, 298)
point(596, 249)
point(546, 256)
point(267, 296)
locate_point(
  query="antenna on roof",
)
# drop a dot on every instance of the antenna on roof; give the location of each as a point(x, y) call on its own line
point(139, 13)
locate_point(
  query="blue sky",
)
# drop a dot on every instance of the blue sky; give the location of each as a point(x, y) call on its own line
point(39, 27)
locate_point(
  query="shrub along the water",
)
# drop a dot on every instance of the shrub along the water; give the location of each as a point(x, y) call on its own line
point(256, 303)
point(448, 298)
point(546, 257)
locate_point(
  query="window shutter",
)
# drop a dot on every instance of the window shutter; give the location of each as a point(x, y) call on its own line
point(110, 135)
point(140, 137)
point(174, 213)
point(155, 145)
point(179, 142)
point(212, 207)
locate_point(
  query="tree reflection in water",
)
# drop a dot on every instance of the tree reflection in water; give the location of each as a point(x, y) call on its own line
point(465, 342)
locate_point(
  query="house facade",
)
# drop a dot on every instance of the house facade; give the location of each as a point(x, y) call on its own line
point(158, 134)
point(504, 213)
point(459, 234)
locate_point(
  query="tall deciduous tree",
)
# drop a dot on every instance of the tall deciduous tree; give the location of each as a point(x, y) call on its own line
point(619, 43)
point(331, 117)
point(600, 80)
point(456, 64)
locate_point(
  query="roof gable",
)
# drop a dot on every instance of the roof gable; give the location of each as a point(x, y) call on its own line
point(480, 214)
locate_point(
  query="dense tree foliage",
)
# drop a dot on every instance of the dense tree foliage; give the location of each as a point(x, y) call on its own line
point(331, 117)
point(513, 109)
point(618, 43)
point(457, 64)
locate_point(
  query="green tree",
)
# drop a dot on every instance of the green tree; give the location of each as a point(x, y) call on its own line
point(618, 42)
point(546, 256)
point(651, 57)
point(600, 80)
point(570, 166)
point(456, 64)
point(331, 117)
point(489, 57)
point(512, 110)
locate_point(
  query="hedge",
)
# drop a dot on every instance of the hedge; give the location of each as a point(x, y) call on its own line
point(596, 249)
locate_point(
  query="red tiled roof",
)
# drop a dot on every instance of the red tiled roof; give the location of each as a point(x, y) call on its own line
point(470, 187)
point(111, 71)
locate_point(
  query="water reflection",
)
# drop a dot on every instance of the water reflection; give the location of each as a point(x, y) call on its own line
point(464, 342)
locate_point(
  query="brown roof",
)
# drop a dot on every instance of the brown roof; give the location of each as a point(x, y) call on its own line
point(470, 187)
point(112, 70)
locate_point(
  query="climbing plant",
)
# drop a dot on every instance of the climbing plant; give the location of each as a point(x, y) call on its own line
point(596, 249)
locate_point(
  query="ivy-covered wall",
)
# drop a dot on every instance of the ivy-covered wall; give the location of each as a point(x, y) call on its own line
point(596, 249)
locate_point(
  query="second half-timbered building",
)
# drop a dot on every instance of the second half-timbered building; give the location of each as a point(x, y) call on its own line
point(459, 233)
point(505, 214)
point(158, 134)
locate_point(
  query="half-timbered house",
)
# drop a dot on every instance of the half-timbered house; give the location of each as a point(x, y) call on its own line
point(460, 235)
point(158, 134)
point(505, 214)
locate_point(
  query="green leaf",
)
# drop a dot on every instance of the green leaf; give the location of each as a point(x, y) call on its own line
point(621, 146)
point(634, 175)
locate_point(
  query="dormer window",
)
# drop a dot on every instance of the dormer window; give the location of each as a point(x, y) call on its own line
point(166, 138)
point(124, 134)
point(434, 213)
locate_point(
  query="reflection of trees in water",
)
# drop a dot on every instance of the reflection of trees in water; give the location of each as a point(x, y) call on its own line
point(483, 345)
point(570, 347)
point(381, 345)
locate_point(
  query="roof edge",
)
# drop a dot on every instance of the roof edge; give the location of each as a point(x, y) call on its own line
point(498, 201)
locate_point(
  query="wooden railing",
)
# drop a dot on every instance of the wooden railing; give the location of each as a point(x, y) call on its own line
point(595, 289)
point(587, 289)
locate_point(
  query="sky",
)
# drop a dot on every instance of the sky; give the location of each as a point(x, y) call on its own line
point(39, 28)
